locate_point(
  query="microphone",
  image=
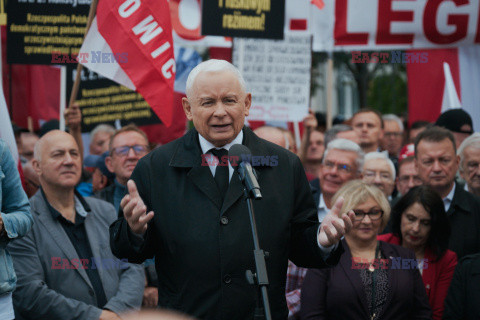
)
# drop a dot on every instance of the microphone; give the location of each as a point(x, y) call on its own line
point(245, 171)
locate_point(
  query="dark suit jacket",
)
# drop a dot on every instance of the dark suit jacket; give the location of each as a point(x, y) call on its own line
point(338, 292)
point(316, 191)
point(203, 247)
point(464, 216)
point(464, 294)
point(48, 291)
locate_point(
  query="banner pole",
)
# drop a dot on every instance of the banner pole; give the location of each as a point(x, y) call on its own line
point(63, 96)
point(329, 89)
point(76, 83)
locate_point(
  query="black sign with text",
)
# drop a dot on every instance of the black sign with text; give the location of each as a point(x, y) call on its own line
point(244, 18)
point(37, 29)
point(104, 101)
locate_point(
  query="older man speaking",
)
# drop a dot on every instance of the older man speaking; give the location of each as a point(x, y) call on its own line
point(198, 226)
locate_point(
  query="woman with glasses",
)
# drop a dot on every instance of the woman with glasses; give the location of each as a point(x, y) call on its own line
point(373, 279)
point(419, 223)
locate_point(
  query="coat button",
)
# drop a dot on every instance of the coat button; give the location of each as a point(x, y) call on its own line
point(224, 221)
point(90, 292)
point(227, 279)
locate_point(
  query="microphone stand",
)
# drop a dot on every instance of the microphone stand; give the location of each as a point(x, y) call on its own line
point(260, 277)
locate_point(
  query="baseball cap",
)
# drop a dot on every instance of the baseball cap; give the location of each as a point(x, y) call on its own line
point(454, 119)
point(98, 161)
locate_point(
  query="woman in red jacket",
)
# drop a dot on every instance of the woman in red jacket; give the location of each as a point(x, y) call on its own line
point(419, 222)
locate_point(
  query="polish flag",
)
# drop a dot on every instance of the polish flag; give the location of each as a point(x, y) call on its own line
point(139, 34)
point(431, 85)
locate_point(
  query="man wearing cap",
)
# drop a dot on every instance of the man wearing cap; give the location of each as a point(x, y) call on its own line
point(102, 178)
point(458, 121)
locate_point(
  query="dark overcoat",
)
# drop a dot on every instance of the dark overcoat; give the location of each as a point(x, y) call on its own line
point(203, 247)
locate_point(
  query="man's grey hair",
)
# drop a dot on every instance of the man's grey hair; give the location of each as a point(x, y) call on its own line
point(392, 117)
point(102, 128)
point(472, 141)
point(332, 133)
point(214, 65)
point(382, 155)
point(346, 145)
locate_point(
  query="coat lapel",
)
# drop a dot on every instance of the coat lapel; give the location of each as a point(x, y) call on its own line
point(189, 155)
point(236, 188)
point(202, 177)
point(354, 277)
point(57, 233)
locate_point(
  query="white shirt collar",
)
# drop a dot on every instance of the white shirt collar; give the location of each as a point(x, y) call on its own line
point(321, 203)
point(79, 208)
point(322, 208)
point(207, 145)
point(447, 201)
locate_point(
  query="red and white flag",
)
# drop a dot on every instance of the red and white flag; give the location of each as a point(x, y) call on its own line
point(130, 42)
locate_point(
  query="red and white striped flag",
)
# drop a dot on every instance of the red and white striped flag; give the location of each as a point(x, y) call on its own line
point(138, 34)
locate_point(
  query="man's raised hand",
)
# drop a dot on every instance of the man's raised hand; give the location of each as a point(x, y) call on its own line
point(334, 226)
point(134, 210)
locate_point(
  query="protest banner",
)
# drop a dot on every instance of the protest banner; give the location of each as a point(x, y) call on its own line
point(244, 18)
point(346, 25)
point(104, 101)
point(37, 29)
point(277, 73)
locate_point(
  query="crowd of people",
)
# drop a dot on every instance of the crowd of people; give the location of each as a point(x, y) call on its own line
point(370, 219)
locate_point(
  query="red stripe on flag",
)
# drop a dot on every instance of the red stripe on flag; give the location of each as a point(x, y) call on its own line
point(153, 76)
point(426, 82)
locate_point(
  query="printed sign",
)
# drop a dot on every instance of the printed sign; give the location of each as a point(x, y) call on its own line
point(244, 18)
point(277, 73)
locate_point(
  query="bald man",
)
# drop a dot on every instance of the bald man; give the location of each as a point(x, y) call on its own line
point(64, 265)
point(272, 134)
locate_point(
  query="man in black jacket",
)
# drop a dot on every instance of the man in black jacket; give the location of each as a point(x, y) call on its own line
point(437, 165)
point(198, 226)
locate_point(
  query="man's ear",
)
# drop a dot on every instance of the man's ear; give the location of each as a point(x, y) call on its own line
point(103, 181)
point(36, 166)
point(187, 108)
point(248, 103)
point(109, 165)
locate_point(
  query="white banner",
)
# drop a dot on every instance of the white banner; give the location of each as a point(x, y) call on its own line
point(277, 73)
point(390, 24)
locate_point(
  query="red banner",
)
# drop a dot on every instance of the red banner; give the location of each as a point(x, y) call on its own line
point(143, 31)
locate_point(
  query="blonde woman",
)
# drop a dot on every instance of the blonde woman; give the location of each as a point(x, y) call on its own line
point(374, 279)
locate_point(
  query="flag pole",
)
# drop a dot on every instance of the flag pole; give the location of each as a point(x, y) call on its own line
point(76, 83)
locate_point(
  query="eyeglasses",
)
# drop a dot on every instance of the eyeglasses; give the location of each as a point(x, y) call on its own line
point(370, 175)
point(373, 214)
point(122, 151)
point(340, 167)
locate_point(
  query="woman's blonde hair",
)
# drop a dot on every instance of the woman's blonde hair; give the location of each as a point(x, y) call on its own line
point(356, 192)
